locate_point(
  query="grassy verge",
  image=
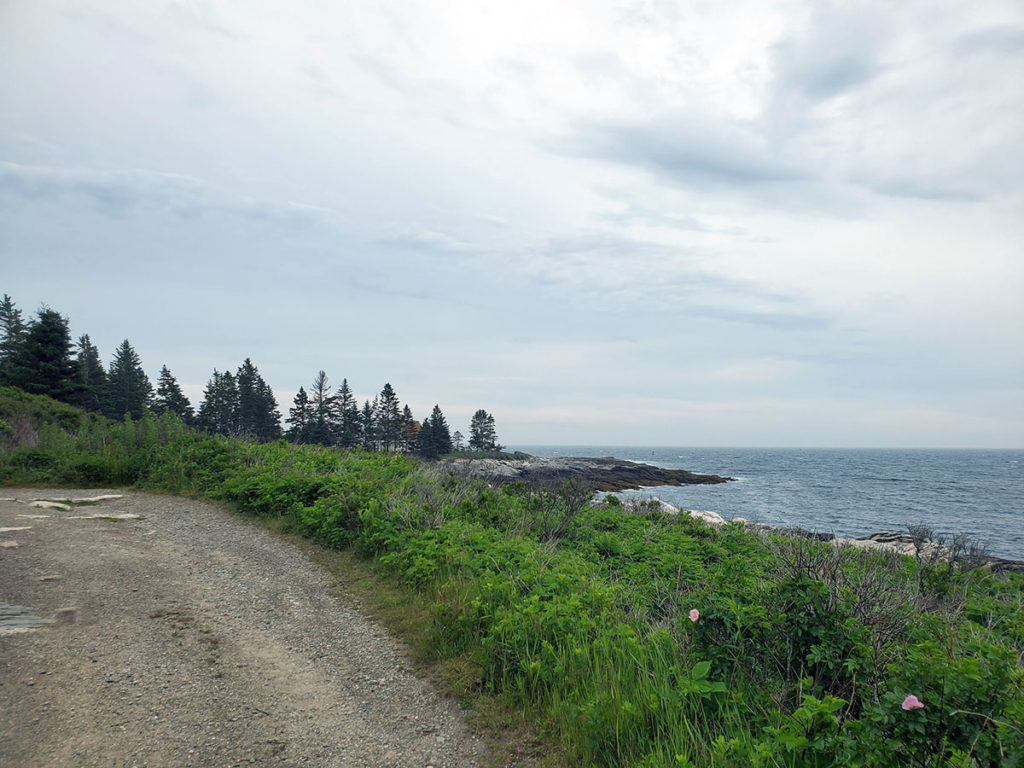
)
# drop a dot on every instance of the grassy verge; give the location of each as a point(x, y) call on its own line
point(624, 636)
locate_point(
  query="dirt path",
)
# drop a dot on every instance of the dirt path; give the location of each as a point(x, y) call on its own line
point(190, 637)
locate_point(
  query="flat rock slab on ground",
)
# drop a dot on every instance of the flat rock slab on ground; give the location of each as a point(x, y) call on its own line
point(188, 636)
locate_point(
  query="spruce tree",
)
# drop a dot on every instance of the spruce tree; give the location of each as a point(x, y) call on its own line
point(128, 389)
point(42, 361)
point(410, 430)
point(482, 435)
point(458, 441)
point(434, 438)
point(12, 334)
point(218, 413)
point(389, 419)
point(322, 403)
point(170, 399)
point(258, 417)
point(349, 422)
point(91, 379)
point(299, 417)
point(368, 419)
point(425, 440)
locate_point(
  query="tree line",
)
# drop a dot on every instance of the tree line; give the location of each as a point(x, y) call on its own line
point(39, 357)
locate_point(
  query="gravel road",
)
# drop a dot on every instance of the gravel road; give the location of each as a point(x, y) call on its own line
point(189, 636)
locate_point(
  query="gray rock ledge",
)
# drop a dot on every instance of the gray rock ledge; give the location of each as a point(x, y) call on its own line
point(604, 474)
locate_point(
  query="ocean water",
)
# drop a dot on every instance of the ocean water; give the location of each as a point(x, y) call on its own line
point(848, 492)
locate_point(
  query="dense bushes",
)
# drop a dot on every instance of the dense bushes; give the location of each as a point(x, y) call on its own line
point(641, 639)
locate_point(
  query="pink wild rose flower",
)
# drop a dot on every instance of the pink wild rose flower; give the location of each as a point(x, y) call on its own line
point(912, 702)
point(694, 614)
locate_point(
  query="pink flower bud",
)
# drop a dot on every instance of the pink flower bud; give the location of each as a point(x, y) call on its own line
point(912, 702)
point(694, 614)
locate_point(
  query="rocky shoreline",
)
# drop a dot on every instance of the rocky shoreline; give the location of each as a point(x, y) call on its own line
point(608, 474)
point(892, 541)
point(603, 474)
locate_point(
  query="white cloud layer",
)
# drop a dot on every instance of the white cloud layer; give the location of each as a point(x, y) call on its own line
point(791, 223)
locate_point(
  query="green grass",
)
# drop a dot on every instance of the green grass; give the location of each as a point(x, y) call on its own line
point(572, 621)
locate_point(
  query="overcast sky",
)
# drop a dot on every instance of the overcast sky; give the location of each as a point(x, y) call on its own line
point(674, 223)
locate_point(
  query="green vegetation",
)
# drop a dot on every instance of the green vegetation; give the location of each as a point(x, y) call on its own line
point(626, 636)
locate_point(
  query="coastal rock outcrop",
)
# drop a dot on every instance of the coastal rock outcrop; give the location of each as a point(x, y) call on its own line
point(603, 474)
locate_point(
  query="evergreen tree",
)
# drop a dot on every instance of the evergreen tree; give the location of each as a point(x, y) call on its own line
point(128, 390)
point(299, 416)
point(368, 418)
point(42, 361)
point(170, 399)
point(12, 334)
point(482, 435)
point(434, 438)
point(218, 413)
point(323, 424)
point(389, 419)
point(410, 430)
point(258, 416)
point(349, 422)
point(458, 441)
point(425, 440)
point(91, 379)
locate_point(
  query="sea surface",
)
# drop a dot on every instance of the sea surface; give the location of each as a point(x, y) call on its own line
point(848, 492)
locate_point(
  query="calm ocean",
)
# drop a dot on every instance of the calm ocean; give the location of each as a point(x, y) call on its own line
point(846, 492)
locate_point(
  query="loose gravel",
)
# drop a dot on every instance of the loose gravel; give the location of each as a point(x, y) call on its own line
point(189, 636)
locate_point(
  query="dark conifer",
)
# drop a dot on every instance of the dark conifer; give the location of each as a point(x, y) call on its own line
point(42, 361)
point(349, 423)
point(323, 423)
point(128, 390)
point(368, 418)
point(389, 419)
point(218, 413)
point(258, 417)
point(299, 417)
point(434, 438)
point(91, 379)
point(170, 399)
point(410, 430)
point(12, 334)
point(482, 435)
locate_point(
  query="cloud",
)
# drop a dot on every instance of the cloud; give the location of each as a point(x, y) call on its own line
point(839, 48)
point(999, 38)
point(686, 148)
point(115, 193)
point(427, 239)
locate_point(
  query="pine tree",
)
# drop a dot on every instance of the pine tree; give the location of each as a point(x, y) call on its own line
point(170, 399)
point(349, 423)
point(258, 417)
point(218, 413)
point(458, 441)
point(128, 390)
point(42, 361)
point(299, 416)
point(435, 439)
point(91, 379)
point(482, 435)
point(410, 430)
point(12, 334)
point(368, 418)
point(322, 403)
point(389, 419)
point(269, 425)
point(425, 440)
